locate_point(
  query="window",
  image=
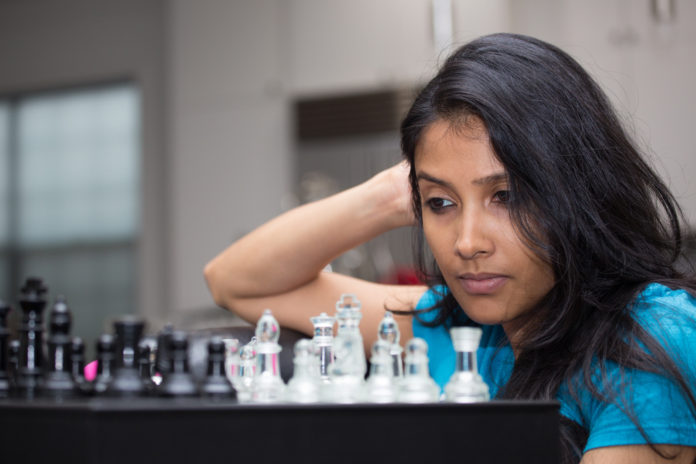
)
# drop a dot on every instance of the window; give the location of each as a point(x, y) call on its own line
point(69, 212)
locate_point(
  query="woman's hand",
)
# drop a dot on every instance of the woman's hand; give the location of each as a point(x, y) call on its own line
point(396, 188)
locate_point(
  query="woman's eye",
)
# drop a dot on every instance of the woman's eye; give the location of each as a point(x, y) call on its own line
point(438, 204)
point(502, 196)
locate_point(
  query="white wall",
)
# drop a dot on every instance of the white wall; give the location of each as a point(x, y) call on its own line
point(229, 148)
point(648, 69)
point(339, 45)
point(336, 45)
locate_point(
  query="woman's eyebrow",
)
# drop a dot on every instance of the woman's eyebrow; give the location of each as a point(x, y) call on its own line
point(490, 179)
point(434, 180)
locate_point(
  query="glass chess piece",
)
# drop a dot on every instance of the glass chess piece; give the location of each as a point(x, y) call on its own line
point(268, 386)
point(323, 341)
point(347, 378)
point(348, 316)
point(247, 369)
point(417, 386)
point(231, 359)
point(381, 385)
point(388, 331)
point(466, 385)
point(305, 384)
point(347, 373)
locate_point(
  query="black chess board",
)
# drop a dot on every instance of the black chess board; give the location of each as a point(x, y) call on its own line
point(195, 430)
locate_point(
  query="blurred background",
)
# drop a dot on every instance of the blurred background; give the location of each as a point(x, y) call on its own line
point(138, 138)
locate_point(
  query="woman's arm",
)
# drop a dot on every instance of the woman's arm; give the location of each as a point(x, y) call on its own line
point(279, 265)
point(640, 454)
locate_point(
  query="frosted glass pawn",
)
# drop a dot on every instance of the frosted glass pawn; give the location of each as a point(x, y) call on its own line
point(305, 384)
point(417, 386)
point(466, 385)
point(232, 359)
point(347, 380)
point(347, 373)
point(268, 386)
point(388, 331)
point(323, 341)
point(381, 385)
point(244, 379)
point(348, 316)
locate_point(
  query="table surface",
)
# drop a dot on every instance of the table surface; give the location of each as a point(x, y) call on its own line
point(106, 430)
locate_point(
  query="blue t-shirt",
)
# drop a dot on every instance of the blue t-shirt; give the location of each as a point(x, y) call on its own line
point(659, 405)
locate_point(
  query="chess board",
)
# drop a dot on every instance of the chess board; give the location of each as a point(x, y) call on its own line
point(149, 430)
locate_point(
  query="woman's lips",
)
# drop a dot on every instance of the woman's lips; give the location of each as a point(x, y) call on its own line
point(482, 284)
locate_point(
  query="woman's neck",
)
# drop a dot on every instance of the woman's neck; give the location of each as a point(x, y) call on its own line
point(516, 331)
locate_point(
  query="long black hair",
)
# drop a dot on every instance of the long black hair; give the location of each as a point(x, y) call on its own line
point(581, 196)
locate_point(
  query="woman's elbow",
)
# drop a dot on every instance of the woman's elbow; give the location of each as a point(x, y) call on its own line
point(215, 283)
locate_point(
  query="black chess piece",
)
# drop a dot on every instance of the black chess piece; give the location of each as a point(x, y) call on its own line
point(29, 378)
point(58, 381)
point(106, 356)
point(145, 367)
point(13, 361)
point(178, 381)
point(77, 366)
point(127, 381)
point(4, 353)
point(163, 359)
point(216, 383)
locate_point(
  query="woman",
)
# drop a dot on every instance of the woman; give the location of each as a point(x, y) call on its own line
point(547, 229)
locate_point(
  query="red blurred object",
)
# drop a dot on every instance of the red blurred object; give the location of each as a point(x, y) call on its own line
point(402, 276)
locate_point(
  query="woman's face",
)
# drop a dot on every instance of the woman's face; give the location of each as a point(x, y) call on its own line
point(494, 277)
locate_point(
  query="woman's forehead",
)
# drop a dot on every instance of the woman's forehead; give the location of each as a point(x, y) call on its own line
point(446, 137)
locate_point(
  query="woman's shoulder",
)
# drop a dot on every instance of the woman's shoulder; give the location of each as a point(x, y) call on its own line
point(669, 316)
point(674, 298)
point(664, 311)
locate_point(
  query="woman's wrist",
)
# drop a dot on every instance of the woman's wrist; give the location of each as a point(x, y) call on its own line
point(390, 196)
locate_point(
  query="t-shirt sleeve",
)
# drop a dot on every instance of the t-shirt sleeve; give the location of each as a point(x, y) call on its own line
point(655, 401)
point(657, 404)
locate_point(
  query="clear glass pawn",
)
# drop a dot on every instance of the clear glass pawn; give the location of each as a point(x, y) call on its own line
point(388, 331)
point(417, 386)
point(232, 360)
point(268, 386)
point(348, 316)
point(381, 385)
point(347, 373)
point(305, 384)
point(244, 379)
point(466, 385)
point(323, 341)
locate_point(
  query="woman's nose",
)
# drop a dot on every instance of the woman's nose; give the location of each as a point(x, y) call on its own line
point(473, 239)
